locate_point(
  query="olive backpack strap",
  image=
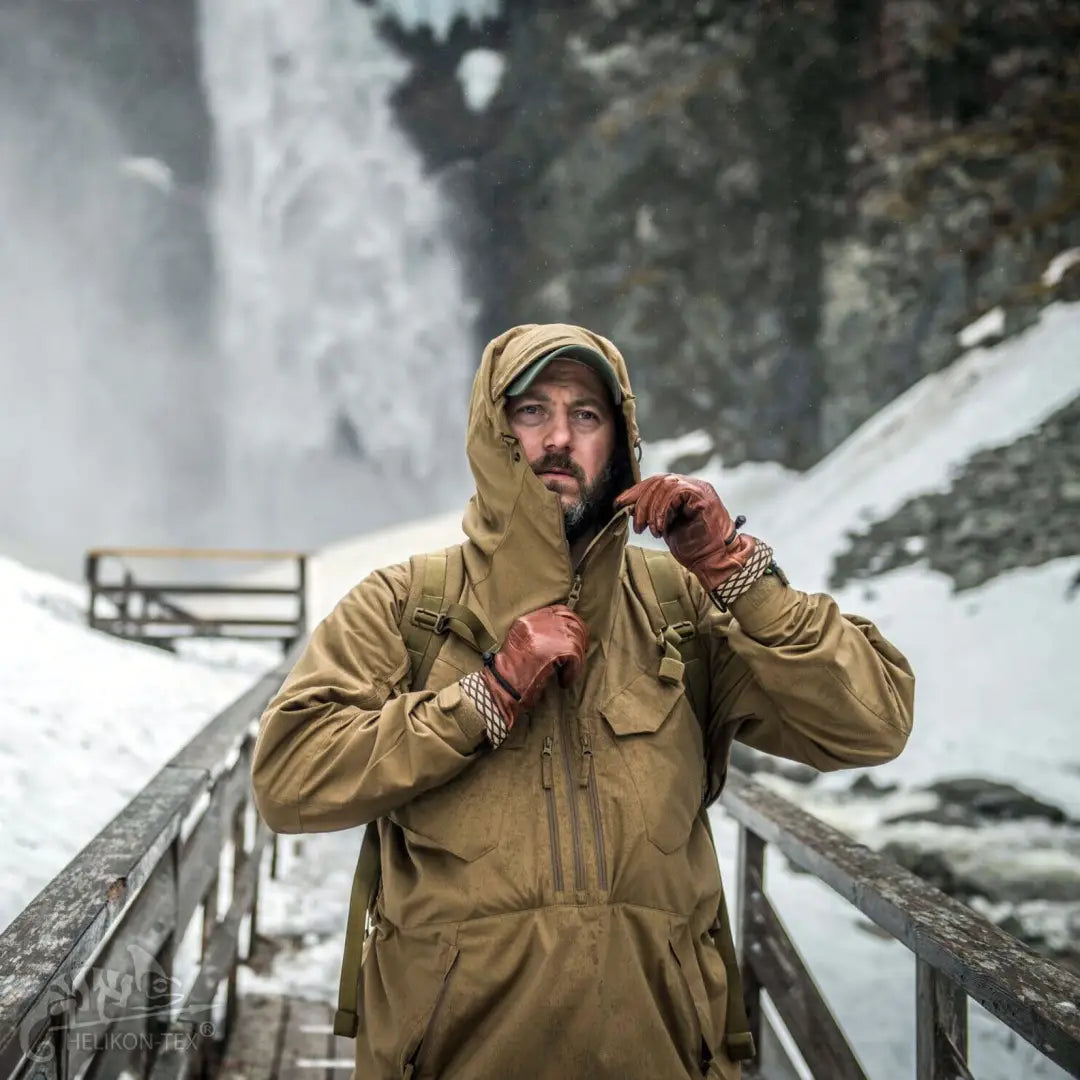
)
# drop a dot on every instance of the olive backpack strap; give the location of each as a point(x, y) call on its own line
point(428, 616)
point(425, 621)
point(658, 581)
point(361, 900)
point(427, 591)
point(738, 1039)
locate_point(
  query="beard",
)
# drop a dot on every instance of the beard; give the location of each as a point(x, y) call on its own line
point(596, 502)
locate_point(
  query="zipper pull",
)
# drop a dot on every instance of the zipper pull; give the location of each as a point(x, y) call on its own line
point(545, 764)
point(575, 592)
point(586, 761)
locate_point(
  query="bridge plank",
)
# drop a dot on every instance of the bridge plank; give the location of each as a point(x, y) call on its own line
point(307, 1049)
point(344, 1055)
point(254, 1048)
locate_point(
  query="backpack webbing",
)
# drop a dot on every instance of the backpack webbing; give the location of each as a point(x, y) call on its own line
point(658, 582)
point(433, 577)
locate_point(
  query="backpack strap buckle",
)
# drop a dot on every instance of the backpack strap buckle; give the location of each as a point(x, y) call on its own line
point(435, 621)
point(671, 662)
point(679, 632)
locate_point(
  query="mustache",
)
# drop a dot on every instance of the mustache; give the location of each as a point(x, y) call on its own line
point(559, 461)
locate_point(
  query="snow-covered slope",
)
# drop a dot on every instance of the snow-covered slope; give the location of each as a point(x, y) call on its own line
point(85, 721)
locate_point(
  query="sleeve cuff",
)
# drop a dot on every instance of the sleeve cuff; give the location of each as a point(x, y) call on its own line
point(766, 601)
point(461, 710)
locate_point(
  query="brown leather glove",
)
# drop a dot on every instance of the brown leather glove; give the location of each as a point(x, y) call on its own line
point(549, 639)
point(695, 524)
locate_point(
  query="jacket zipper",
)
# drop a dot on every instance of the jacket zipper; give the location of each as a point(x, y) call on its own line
point(413, 1064)
point(575, 818)
point(588, 780)
point(548, 779)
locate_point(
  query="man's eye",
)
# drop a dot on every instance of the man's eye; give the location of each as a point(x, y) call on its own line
point(587, 415)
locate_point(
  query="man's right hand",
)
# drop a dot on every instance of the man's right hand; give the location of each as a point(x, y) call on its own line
point(549, 639)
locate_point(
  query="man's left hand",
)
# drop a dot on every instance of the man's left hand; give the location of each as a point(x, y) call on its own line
point(695, 524)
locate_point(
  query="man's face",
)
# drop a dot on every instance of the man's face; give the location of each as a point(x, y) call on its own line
point(566, 426)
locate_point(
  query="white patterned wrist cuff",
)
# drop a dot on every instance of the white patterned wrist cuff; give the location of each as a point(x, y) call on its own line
point(727, 592)
point(475, 689)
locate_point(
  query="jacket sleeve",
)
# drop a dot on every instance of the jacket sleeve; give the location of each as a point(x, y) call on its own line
point(338, 746)
point(792, 676)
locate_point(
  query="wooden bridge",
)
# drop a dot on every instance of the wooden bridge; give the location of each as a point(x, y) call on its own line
point(88, 983)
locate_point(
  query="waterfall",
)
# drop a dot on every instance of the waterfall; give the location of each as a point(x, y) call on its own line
point(104, 436)
point(345, 327)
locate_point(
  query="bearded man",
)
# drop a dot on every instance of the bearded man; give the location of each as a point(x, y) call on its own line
point(550, 903)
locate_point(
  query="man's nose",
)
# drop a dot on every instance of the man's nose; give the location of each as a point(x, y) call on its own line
point(558, 435)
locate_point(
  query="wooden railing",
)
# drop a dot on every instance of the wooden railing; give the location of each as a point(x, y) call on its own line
point(958, 954)
point(88, 983)
point(160, 612)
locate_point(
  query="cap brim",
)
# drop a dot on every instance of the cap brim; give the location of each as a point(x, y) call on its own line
point(582, 354)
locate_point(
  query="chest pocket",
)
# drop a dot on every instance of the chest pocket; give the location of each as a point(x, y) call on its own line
point(465, 815)
point(660, 741)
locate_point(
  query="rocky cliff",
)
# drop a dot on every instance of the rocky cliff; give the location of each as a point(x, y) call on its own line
point(783, 212)
point(1009, 506)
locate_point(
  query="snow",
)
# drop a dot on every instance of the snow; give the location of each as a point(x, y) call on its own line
point(150, 170)
point(996, 695)
point(337, 568)
point(985, 327)
point(997, 679)
point(439, 15)
point(86, 720)
point(480, 73)
point(1059, 264)
point(656, 454)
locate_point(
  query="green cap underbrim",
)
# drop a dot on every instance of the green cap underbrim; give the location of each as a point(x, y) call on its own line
point(583, 355)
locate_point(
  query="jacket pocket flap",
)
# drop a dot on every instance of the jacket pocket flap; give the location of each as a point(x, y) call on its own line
point(641, 706)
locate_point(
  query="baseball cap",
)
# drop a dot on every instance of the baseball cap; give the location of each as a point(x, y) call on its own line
point(583, 355)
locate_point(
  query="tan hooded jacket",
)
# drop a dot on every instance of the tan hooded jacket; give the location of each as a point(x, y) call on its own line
point(545, 907)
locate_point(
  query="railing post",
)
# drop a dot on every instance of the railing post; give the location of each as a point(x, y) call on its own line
point(240, 861)
point(125, 601)
point(751, 875)
point(941, 1026)
point(92, 585)
point(301, 586)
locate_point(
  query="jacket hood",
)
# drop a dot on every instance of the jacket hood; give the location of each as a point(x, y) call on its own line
point(517, 556)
